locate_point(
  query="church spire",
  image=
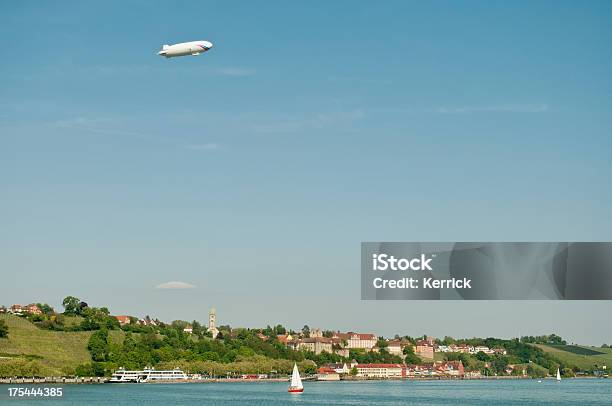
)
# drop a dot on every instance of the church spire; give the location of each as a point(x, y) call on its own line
point(212, 323)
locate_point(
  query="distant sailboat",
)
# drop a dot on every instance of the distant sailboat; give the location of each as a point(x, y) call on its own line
point(558, 375)
point(296, 382)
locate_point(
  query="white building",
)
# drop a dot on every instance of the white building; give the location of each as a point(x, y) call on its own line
point(315, 344)
point(381, 371)
point(358, 340)
point(481, 348)
point(395, 347)
point(341, 367)
point(212, 323)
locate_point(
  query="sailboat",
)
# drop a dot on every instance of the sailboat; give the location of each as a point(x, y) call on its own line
point(558, 375)
point(296, 382)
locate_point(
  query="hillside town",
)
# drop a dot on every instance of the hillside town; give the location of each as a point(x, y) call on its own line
point(334, 355)
point(341, 343)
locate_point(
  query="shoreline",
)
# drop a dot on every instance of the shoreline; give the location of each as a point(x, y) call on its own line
point(104, 380)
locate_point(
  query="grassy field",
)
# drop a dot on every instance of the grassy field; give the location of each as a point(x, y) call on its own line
point(572, 355)
point(438, 356)
point(72, 321)
point(58, 352)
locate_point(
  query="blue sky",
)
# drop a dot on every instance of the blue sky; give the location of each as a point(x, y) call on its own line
point(254, 171)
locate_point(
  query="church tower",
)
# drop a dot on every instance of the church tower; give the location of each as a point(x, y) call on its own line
point(212, 323)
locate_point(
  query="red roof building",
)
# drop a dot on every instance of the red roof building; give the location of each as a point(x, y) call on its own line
point(33, 309)
point(284, 338)
point(16, 308)
point(327, 374)
point(123, 320)
point(424, 350)
point(451, 368)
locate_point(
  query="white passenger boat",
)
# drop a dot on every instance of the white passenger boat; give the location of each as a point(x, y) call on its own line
point(147, 375)
point(124, 376)
point(150, 375)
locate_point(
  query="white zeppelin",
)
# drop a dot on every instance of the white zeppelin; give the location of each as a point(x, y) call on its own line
point(185, 48)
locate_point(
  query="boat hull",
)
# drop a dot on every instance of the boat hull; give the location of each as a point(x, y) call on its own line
point(296, 390)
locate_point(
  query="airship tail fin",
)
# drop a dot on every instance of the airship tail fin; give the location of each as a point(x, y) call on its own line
point(165, 46)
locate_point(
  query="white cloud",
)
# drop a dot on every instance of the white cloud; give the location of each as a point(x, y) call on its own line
point(502, 108)
point(175, 285)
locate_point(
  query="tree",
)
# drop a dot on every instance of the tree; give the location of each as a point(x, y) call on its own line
point(481, 356)
point(459, 356)
point(129, 344)
point(197, 329)
point(98, 345)
point(536, 371)
point(499, 364)
point(92, 369)
point(306, 331)
point(3, 329)
point(556, 340)
point(354, 371)
point(45, 308)
point(448, 340)
point(309, 368)
point(71, 305)
point(179, 325)
point(411, 357)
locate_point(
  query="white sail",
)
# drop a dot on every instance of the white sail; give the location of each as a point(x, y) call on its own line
point(558, 375)
point(296, 381)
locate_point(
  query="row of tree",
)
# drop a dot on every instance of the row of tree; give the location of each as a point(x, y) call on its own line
point(551, 339)
point(4, 331)
point(171, 345)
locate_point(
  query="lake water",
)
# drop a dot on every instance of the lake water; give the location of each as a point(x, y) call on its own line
point(486, 392)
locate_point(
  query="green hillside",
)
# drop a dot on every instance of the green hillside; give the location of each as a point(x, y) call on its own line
point(582, 356)
point(43, 352)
